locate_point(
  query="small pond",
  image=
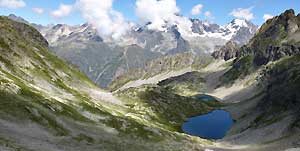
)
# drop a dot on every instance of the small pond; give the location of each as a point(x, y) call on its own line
point(213, 125)
point(204, 97)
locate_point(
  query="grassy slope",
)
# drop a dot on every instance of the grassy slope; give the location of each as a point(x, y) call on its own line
point(163, 107)
point(283, 83)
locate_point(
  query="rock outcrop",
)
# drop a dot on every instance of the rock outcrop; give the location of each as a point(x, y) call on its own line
point(276, 38)
point(227, 52)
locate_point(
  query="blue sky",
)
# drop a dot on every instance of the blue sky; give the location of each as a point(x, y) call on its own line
point(219, 9)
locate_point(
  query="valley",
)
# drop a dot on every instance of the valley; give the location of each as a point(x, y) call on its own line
point(65, 88)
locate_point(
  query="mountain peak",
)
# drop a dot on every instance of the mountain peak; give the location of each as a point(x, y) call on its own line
point(12, 15)
point(24, 29)
point(287, 15)
point(239, 22)
point(85, 25)
point(287, 20)
point(289, 12)
point(58, 25)
point(17, 18)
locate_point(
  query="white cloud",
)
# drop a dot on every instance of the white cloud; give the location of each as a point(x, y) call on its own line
point(38, 10)
point(158, 12)
point(12, 4)
point(63, 11)
point(208, 14)
point(267, 16)
point(184, 25)
point(99, 13)
point(196, 10)
point(243, 13)
point(161, 13)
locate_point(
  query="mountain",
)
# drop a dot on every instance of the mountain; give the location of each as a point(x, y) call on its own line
point(271, 61)
point(200, 29)
point(18, 19)
point(101, 61)
point(266, 73)
point(260, 87)
point(47, 104)
point(275, 39)
point(238, 31)
point(22, 20)
point(243, 31)
point(105, 60)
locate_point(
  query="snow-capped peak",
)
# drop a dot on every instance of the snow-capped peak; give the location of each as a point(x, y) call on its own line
point(236, 25)
point(189, 28)
point(239, 22)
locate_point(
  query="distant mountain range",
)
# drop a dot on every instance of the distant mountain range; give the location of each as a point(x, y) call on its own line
point(104, 60)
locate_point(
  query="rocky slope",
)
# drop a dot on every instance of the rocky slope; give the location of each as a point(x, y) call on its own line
point(227, 52)
point(274, 53)
point(160, 69)
point(275, 39)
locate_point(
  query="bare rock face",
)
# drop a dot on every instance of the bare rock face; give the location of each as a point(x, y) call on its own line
point(292, 27)
point(227, 52)
point(275, 53)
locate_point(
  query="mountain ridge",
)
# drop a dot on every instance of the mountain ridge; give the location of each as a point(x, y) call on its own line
point(73, 42)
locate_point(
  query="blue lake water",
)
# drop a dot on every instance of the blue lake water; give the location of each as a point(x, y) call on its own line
point(204, 97)
point(213, 125)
